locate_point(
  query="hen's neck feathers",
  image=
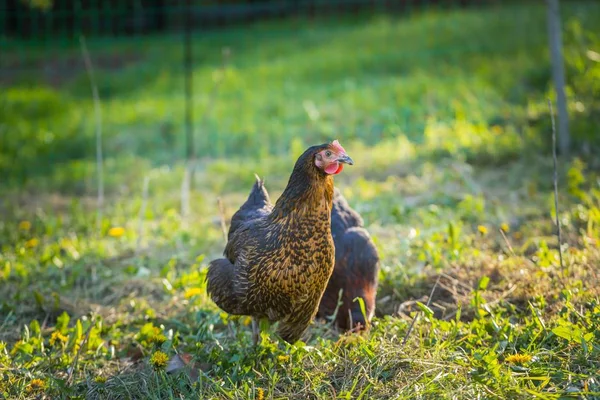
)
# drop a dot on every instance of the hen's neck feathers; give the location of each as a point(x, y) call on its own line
point(308, 190)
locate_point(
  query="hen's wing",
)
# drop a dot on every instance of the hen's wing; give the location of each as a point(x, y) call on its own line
point(253, 242)
point(223, 283)
point(227, 281)
point(257, 205)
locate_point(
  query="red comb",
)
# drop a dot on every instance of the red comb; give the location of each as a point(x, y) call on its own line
point(336, 145)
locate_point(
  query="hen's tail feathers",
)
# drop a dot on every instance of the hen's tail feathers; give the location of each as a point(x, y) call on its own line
point(259, 197)
point(221, 285)
point(256, 205)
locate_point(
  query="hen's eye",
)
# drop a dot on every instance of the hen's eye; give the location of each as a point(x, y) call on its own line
point(328, 153)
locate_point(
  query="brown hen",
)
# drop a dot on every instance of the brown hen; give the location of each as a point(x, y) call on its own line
point(279, 258)
point(356, 270)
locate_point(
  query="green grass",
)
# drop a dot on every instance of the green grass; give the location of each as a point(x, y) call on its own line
point(368, 79)
point(450, 137)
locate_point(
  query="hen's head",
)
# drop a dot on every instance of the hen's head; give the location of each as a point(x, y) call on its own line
point(331, 157)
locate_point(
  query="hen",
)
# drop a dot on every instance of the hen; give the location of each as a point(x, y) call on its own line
point(279, 258)
point(356, 269)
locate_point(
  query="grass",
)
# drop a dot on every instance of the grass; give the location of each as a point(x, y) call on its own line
point(450, 137)
point(416, 77)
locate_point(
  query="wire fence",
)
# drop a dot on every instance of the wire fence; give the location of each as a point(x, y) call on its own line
point(187, 79)
point(39, 20)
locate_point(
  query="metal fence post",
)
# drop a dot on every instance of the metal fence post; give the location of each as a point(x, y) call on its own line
point(189, 76)
point(558, 74)
point(188, 178)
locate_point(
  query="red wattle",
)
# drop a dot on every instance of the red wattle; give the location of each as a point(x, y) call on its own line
point(334, 168)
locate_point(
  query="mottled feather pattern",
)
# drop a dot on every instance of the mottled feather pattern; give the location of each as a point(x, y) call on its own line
point(281, 256)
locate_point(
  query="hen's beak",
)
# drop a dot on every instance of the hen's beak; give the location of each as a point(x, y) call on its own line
point(345, 159)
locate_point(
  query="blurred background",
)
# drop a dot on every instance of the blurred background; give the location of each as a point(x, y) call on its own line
point(250, 79)
point(130, 132)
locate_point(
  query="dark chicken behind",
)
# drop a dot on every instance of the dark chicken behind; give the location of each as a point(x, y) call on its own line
point(279, 258)
point(356, 269)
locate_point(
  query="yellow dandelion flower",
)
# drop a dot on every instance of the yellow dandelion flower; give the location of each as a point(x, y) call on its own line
point(518, 359)
point(36, 385)
point(57, 337)
point(283, 358)
point(100, 379)
point(482, 230)
point(158, 339)
point(116, 231)
point(31, 243)
point(159, 360)
point(260, 394)
point(247, 321)
point(505, 227)
point(191, 292)
point(24, 225)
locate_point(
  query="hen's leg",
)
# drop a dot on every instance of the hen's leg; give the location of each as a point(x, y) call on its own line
point(255, 331)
